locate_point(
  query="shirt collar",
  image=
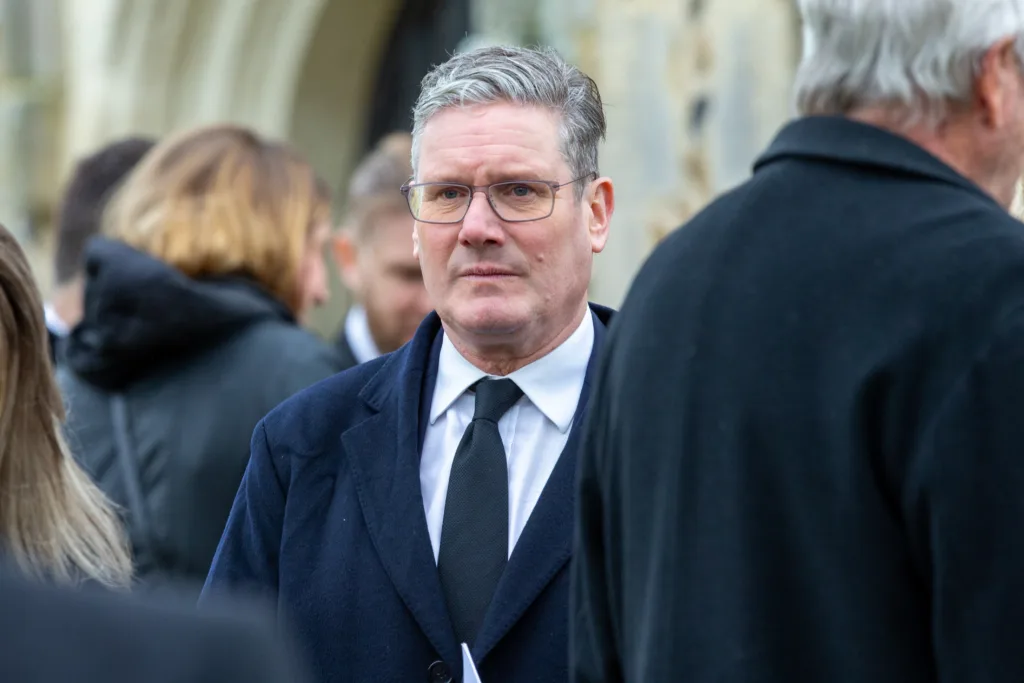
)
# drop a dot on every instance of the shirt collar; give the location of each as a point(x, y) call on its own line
point(553, 383)
point(358, 335)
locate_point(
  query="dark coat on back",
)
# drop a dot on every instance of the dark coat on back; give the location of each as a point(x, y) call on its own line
point(197, 364)
point(51, 635)
point(805, 456)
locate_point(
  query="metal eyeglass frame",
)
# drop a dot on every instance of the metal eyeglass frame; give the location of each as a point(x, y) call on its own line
point(486, 189)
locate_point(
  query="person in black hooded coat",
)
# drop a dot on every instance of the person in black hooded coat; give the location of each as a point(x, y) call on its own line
point(190, 335)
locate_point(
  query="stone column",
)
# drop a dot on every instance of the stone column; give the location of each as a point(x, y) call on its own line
point(29, 64)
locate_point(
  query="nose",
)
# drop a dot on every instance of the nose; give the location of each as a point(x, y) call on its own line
point(481, 226)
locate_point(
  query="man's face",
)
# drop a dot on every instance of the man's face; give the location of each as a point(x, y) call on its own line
point(491, 280)
point(385, 277)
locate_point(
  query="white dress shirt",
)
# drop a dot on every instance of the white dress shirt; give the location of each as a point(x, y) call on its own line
point(534, 430)
point(358, 335)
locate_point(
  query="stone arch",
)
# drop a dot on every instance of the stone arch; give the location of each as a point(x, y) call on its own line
point(334, 81)
point(150, 66)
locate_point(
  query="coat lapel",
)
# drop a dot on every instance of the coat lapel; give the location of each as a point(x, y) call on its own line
point(384, 456)
point(546, 542)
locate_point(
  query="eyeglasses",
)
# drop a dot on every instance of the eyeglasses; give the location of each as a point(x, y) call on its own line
point(514, 201)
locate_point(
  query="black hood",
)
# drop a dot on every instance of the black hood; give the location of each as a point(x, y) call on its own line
point(141, 314)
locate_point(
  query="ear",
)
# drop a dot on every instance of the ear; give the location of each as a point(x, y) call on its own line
point(346, 256)
point(998, 82)
point(601, 199)
point(415, 241)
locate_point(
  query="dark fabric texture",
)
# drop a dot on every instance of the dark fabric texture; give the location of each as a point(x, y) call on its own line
point(197, 364)
point(803, 458)
point(54, 340)
point(474, 532)
point(48, 635)
point(329, 520)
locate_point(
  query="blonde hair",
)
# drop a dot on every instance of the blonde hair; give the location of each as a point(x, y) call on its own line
point(220, 201)
point(54, 521)
point(376, 185)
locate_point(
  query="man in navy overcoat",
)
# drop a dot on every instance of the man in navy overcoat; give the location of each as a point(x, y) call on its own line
point(425, 499)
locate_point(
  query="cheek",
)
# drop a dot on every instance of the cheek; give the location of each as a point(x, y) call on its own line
point(556, 258)
point(316, 270)
point(435, 253)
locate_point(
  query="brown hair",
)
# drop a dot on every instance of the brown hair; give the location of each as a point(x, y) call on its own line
point(94, 180)
point(54, 521)
point(375, 187)
point(220, 200)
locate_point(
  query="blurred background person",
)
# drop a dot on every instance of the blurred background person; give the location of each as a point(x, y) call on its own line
point(78, 220)
point(374, 253)
point(55, 524)
point(213, 251)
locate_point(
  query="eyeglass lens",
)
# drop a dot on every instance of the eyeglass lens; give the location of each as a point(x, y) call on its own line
point(513, 201)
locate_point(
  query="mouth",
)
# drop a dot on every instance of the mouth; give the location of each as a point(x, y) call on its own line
point(487, 273)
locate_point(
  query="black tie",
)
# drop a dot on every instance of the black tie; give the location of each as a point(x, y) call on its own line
point(474, 533)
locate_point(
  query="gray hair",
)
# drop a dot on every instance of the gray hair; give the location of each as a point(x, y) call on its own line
point(916, 56)
point(524, 76)
point(374, 185)
point(384, 170)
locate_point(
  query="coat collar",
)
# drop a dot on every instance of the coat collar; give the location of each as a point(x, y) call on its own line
point(840, 139)
point(384, 453)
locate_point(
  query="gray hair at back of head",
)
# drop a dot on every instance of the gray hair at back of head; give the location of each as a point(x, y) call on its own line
point(531, 77)
point(916, 56)
point(384, 170)
point(377, 181)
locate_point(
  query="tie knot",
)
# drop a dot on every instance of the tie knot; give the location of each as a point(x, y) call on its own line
point(494, 397)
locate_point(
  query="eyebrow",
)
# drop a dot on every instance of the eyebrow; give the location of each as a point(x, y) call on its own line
point(497, 177)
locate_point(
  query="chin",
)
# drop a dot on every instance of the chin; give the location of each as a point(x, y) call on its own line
point(490, 317)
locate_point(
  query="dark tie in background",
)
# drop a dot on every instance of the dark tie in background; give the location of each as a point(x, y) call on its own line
point(474, 533)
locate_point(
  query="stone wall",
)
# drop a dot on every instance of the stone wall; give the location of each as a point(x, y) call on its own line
point(693, 90)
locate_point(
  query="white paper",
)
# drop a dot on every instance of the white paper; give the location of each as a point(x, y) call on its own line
point(469, 674)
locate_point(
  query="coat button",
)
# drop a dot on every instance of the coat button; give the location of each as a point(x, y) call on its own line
point(438, 673)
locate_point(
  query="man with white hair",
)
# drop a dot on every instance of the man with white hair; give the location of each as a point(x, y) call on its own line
point(423, 500)
point(804, 460)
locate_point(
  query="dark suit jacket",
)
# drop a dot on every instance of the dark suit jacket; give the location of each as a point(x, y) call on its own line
point(49, 635)
point(330, 518)
point(805, 458)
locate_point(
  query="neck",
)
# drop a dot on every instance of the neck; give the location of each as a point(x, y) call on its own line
point(505, 357)
point(956, 142)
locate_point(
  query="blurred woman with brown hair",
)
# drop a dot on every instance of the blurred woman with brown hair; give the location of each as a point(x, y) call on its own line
point(55, 523)
point(213, 251)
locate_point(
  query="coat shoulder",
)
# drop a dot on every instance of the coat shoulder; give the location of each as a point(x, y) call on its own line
point(313, 420)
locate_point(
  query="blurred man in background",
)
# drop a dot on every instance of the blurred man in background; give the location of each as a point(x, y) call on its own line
point(374, 252)
point(804, 460)
point(81, 208)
